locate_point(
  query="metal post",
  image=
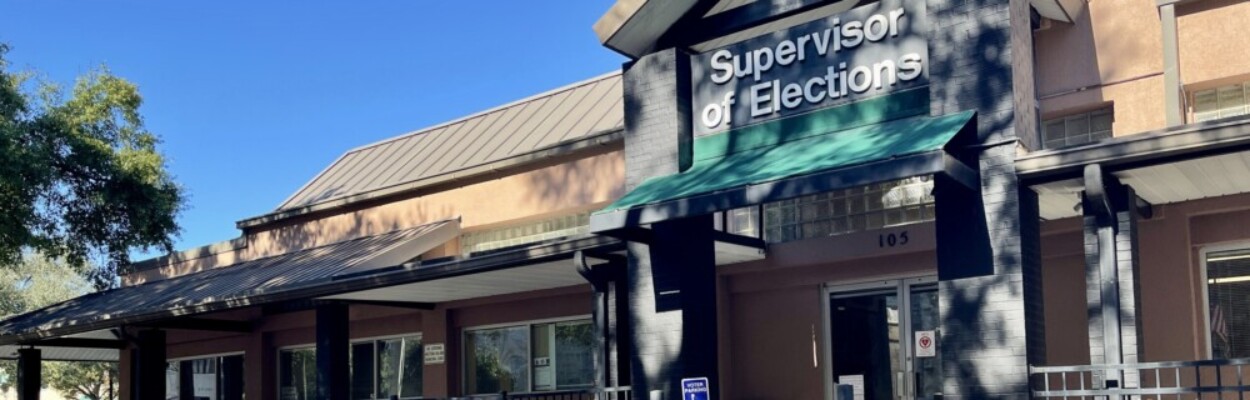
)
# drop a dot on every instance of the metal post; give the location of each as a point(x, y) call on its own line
point(333, 375)
point(29, 373)
point(1171, 65)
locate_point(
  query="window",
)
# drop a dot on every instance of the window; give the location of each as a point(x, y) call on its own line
point(532, 357)
point(297, 374)
point(528, 233)
point(387, 368)
point(210, 378)
point(842, 211)
point(1228, 296)
point(1222, 102)
point(1077, 129)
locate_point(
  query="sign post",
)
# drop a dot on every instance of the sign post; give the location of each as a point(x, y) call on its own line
point(694, 389)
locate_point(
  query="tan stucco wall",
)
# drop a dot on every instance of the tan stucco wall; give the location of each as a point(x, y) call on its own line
point(1172, 308)
point(1112, 54)
point(773, 328)
point(577, 185)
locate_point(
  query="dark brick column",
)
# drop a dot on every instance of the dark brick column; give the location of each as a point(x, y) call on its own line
point(672, 301)
point(1111, 269)
point(333, 374)
point(148, 381)
point(990, 299)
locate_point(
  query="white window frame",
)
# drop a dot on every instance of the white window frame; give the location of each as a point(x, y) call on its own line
point(1192, 97)
point(529, 345)
point(1206, 290)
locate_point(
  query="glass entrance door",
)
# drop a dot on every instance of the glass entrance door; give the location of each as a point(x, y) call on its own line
point(883, 339)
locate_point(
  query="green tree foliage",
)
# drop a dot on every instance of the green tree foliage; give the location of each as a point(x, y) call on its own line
point(81, 177)
point(38, 282)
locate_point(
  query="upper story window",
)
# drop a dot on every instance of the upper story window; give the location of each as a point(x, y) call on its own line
point(1222, 102)
point(1077, 129)
point(527, 233)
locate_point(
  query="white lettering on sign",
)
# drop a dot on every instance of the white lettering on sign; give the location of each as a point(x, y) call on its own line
point(926, 344)
point(434, 354)
point(863, 52)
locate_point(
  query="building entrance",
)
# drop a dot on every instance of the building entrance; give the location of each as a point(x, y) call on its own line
point(883, 339)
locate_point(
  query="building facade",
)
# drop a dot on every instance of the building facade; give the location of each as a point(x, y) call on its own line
point(771, 200)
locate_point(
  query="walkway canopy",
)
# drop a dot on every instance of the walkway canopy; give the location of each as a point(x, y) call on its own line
point(872, 141)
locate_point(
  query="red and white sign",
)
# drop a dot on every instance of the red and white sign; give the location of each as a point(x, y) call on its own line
point(926, 344)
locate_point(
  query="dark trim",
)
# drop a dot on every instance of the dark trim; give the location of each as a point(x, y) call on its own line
point(82, 343)
point(615, 223)
point(1165, 146)
point(292, 296)
point(200, 324)
point(412, 305)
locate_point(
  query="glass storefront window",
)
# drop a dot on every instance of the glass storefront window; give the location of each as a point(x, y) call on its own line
point(534, 357)
point(297, 372)
point(387, 368)
point(1228, 296)
point(212, 378)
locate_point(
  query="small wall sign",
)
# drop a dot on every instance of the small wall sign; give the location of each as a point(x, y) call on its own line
point(694, 389)
point(926, 344)
point(434, 354)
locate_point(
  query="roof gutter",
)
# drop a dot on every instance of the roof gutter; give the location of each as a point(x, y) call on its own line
point(588, 144)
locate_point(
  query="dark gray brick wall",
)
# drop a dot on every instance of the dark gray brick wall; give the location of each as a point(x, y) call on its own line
point(658, 135)
point(992, 323)
point(1127, 285)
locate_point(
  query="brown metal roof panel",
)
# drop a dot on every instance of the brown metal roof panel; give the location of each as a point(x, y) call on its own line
point(323, 187)
point(376, 164)
point(558, 117)
point(394, 159)
point(524, 117)
point(472, 147)
point(421, 143)
point(438, 147)
point(580, 119)
point(542, 116)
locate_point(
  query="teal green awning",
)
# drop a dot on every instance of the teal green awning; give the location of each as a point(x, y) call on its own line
point(820, 151)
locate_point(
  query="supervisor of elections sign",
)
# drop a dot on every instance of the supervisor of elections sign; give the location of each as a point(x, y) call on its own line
point(865, 52)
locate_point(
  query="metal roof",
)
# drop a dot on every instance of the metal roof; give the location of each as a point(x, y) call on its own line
point(569, 113)
point(235, 283)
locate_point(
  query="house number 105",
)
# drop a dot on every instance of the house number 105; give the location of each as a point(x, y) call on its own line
point(892, 239)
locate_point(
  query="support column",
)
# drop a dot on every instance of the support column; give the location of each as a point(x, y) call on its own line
point(608, 307)
point(148, 381)
point(260, 374)
point(29, 373)
point(1110, 223)
point(333, 375)
point(436, 329)
point(1172, 93)
point(672, 289)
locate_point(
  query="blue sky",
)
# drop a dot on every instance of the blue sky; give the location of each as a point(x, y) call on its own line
point(253, 99)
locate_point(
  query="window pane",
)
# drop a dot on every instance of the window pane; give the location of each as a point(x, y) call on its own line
point(575, 362)
point(389, 364)
point(1228, 289)
point(1100, 122)
point(1206, 106)
point(1054, 130)
point(171, 380)
point(497, 360)
point(204, 378)
point(297, 371)
point(541, 354)
point(1232, 101)
point(413, 362)
point(362, 371)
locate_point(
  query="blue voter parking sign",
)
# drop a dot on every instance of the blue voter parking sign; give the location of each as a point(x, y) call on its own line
point(694, 389)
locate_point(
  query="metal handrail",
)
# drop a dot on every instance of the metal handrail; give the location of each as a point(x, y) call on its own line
point(1143, 379)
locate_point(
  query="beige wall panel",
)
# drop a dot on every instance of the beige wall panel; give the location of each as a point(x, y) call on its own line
point(1213, 40)
point(772, 352)
point(1114, 40)
point(579, 185)
point(1138, 104)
